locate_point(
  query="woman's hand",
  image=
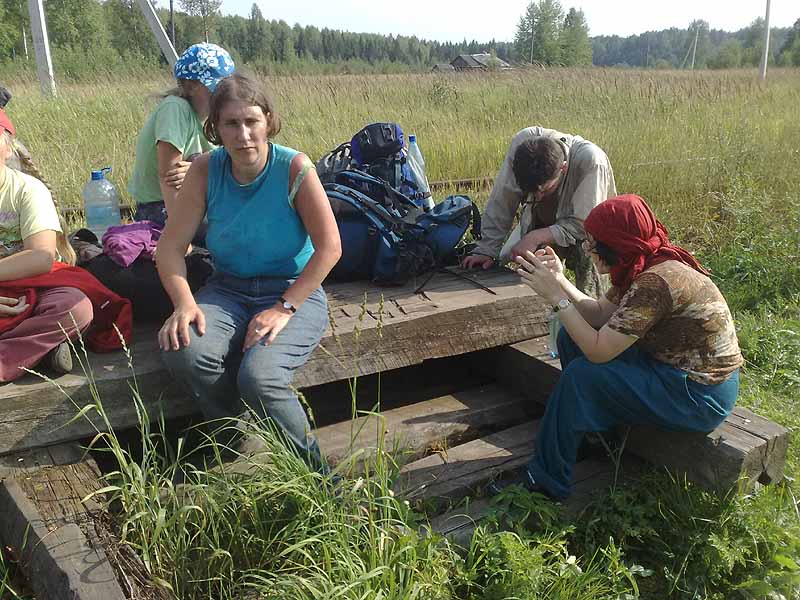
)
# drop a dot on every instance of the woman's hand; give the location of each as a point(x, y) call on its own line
point(175, 176)
point(176, 328)
point(10, 307)
point(542, 275)
point(550, 259)
point(267, 323)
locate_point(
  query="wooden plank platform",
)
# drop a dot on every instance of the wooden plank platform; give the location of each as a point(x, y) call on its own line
point(746, 449)
point(373, 330)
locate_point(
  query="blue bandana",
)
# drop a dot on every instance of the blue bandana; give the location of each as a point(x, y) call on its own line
point(206, 63)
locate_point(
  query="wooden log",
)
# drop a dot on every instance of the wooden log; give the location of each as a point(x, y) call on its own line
point(437, 424)
point(372, 330)
point(39, 517)
point(744, 450)
point(65, 545)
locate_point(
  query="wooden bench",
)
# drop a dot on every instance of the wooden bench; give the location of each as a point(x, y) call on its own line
point(372, 330)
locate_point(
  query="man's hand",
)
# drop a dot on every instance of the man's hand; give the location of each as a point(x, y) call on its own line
point(531, 241)
point(474, 261)
point(10, 307)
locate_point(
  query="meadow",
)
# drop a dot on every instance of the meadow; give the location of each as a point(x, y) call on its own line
point(717, 155)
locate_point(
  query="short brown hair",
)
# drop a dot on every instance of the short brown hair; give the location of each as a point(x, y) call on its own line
point(246, 89)
point(537, 161)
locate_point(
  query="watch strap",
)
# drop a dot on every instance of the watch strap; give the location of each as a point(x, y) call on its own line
point(287, 305)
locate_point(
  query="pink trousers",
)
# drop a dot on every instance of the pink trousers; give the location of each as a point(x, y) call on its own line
point(26, 344)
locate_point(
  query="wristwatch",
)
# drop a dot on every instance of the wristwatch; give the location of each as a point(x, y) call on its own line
point(563, 304)
point(287, 305)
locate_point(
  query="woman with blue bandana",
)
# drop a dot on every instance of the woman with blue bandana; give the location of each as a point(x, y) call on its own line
point(173, 134)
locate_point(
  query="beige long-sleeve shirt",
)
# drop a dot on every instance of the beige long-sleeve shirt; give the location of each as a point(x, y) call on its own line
point(588, 181)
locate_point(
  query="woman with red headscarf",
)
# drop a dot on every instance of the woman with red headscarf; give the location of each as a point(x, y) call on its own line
point(658, 349)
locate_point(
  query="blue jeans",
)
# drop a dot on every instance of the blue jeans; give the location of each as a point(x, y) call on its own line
point(221, 377)
point(631, 389)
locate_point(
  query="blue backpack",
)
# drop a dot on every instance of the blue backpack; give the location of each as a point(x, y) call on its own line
point(386, 237)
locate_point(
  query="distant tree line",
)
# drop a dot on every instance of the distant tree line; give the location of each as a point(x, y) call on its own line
point(87, 35)
point(116, 30)
point(699, 46)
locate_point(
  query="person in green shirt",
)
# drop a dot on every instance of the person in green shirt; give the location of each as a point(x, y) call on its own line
point(173, 134)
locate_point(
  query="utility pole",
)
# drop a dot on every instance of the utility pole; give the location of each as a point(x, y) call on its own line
point(765, 55)
point(167, 49)
point(172, 21)
point(24, 33)
point(44, 64)
point(694, 49)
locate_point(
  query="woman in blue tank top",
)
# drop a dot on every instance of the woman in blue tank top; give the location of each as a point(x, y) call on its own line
point(274, 239)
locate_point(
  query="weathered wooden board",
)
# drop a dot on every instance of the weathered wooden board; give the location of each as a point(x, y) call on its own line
point(744, 450)
point(64, 543)
point(373, 330)
point(413, 430)
point(42, 517)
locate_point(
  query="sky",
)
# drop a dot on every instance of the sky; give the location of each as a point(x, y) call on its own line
point(454, 20)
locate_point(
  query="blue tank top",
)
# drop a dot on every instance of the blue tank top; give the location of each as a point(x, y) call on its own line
point(253, 230)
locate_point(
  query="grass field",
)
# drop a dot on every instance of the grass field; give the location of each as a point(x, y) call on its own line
point(716, 153)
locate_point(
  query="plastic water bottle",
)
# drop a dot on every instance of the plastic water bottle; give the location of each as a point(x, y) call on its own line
point(417, 165)
point(553, 327)
point(100, 203)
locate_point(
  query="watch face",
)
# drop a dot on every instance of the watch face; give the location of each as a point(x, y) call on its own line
point(563, 303)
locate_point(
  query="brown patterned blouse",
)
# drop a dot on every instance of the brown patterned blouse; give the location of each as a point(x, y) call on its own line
point(680, 318)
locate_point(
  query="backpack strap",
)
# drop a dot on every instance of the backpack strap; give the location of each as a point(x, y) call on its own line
point(298, 180)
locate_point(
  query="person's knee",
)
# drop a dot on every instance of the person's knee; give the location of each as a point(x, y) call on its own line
point(263, 380)
point(579, 371)
point(79, 311)
point(192, 357)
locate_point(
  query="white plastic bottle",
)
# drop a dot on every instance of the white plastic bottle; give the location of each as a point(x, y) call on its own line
point(417, 165)
point(100, 203)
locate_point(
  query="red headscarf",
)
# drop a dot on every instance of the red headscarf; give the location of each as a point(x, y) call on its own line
point(628, 226)
point(5, 123)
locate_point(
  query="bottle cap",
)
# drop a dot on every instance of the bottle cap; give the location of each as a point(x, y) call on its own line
point(100, 173)
point(412, 138)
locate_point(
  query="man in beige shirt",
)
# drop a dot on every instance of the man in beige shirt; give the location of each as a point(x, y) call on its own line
point(557, 179)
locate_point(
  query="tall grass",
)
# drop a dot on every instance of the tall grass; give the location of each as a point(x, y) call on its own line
point(675, 138)
point(717, 156)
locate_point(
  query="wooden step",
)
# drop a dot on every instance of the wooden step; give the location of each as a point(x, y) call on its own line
point(58, 537)
point(413, 430)
point(373, 330)
point(465, 469)
point(745, 449)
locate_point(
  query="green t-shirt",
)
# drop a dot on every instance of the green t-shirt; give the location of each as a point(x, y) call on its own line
point(173, 121)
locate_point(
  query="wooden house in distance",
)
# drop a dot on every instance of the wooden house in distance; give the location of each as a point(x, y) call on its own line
point(483, 62)
point(443, 68)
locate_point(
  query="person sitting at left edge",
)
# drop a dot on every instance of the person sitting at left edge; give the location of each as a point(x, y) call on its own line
point(43, 301)
point(659, 349)
point(273, 238)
